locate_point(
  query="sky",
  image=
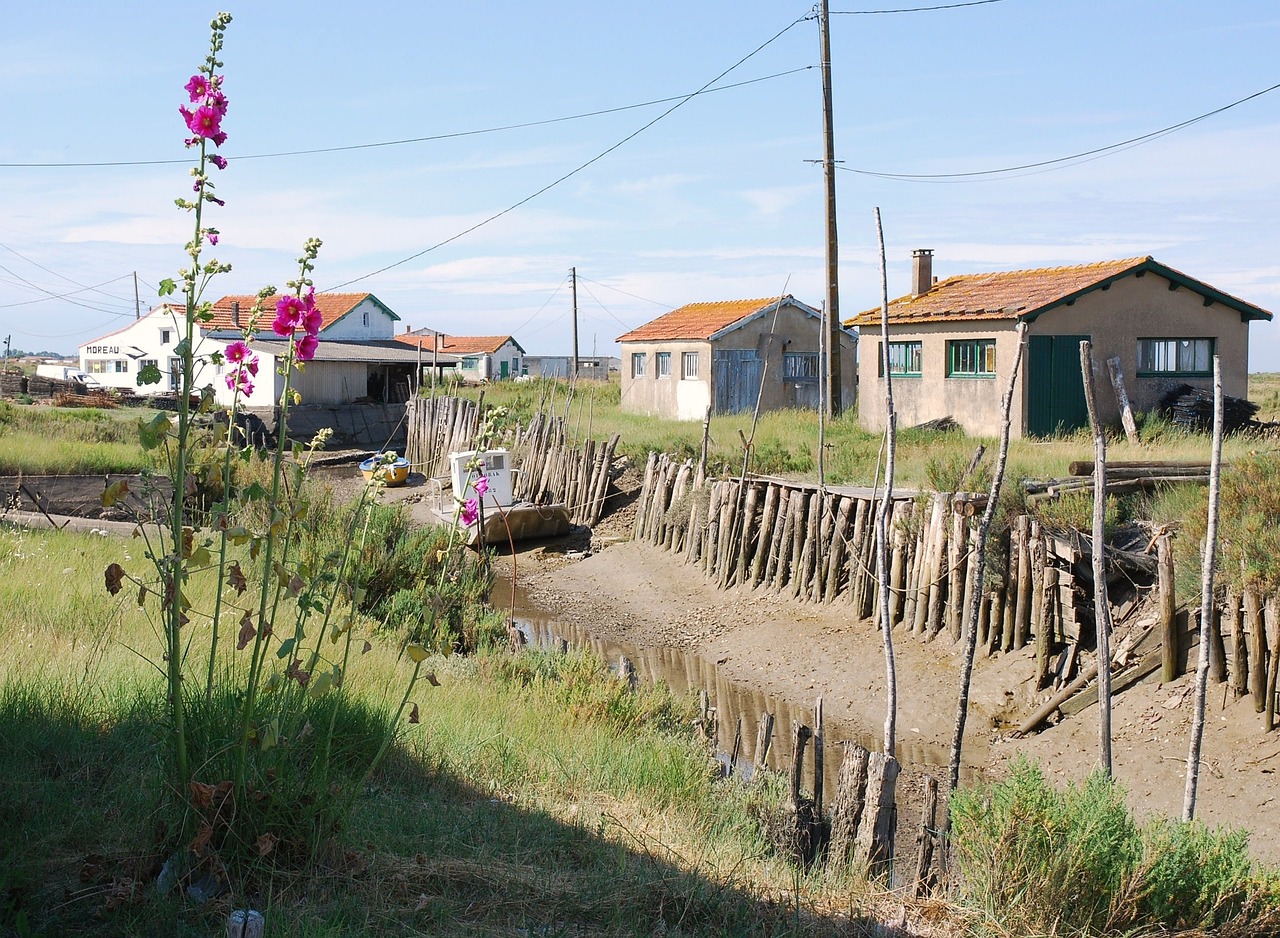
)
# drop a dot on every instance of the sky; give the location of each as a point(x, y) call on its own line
point(474, 232)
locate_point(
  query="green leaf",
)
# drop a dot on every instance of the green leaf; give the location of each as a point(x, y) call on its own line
point(167, 286)
point(285, 649)
point(114, 492)
point(254, 492)
point(269, 735)
point(417, 654)
point(149, 374)
point(182, 349)
point(151, 433)
point(320, 684)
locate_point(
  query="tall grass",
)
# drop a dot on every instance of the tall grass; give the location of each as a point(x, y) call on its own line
point(1035, 860)
point(64, 440)
point(538, 793)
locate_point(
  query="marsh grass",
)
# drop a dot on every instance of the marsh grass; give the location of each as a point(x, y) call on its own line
point(64, 440)
point(535, 793)
point(1035, 860)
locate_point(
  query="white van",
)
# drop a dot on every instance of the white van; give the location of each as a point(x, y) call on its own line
point(67, 373)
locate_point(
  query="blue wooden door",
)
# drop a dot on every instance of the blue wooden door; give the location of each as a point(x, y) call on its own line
point(735, 379)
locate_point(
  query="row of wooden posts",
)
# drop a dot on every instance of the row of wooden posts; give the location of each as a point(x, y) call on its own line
point(438, 426)
point(551, 470)
point(817, 544)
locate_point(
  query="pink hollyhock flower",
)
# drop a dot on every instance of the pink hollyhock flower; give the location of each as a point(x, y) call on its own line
point(218, 101)
point(205, 121)
point(312, 321)
point(481, 485)
point(251, 366)
point(197, 87)
point(238, 352)
point(218, 161)
point(214, 199)
point(470, 512)
point(307, 347)
point(212, 236)
point(219, 138)
point(289, 313)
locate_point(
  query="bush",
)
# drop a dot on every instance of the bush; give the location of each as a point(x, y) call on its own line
point(1037, 860)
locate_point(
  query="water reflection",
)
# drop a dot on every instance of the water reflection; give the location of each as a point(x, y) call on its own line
point(739, 709)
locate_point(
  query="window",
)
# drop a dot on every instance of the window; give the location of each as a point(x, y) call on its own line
point(364, 321)
point(639, 360)
point(96, 366)
point(689, 366)
point(165, 336)
point(799, 366)
point(1175, 356)
point(663, 362)
point(970, 358)
point(105, 366)
point(905, 360)
point(150, 363)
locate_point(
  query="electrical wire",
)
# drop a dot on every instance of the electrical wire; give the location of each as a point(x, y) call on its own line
point(573, 172)
point(944, 6)
point(48, 270)
point(606, 309)
point(634, 296)
point(410, 140)
point(1084, 156)
point(556, 293)
point(62, 296)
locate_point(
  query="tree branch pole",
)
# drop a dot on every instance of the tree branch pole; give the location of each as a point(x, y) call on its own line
point(977, 563)
point(882, 516)
point(1208, 560)
point(831, 323)
point(1101, 600)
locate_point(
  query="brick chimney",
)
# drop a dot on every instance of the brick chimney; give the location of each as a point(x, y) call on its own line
point(921, 271)
point(235, 313)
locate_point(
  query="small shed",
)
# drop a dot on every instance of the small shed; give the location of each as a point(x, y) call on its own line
point(953, 342)
point(729, 355)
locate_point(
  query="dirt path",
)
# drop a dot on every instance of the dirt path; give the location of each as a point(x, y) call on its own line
point(643, 595)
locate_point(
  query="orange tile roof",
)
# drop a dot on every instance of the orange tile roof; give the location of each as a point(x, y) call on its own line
point(697, 320)
point(457, 344)
point(1001, 295)
point(332, 306)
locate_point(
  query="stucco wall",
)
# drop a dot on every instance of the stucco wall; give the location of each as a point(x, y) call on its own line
point(676, 396)
point(352, 326)
point(795, 331)
point(1115, 319)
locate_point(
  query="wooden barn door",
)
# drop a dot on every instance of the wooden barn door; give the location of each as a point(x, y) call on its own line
point(735, 378)
point(1055, 392)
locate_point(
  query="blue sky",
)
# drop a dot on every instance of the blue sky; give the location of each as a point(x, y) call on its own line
point(717, 200)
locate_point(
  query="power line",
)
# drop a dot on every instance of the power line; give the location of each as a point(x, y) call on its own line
point(49, 270)
point(944, 6)
point(62, 296)
point(559, 287)
point(606, 309)
point(410, 140)
point(573, 172)
point(1083, 156)
point(634, 296)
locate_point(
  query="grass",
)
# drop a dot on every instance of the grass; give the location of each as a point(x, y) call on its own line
point(1035, 860)
point(786, 442)
point(68, 440)
point(536, 794)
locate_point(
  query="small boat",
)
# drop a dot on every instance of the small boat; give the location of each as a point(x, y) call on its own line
point(390, 472)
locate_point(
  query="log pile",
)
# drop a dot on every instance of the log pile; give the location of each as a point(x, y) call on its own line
point(1192, 409)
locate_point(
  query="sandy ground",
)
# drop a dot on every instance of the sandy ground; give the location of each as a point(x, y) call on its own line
point(796, 651)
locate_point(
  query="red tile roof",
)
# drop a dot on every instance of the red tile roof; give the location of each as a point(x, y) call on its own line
point(457, 344)
point(332, 306)
point(697, 320)
point(1017, 294)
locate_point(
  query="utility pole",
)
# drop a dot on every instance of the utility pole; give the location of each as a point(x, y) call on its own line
point(832, 318)
point(6, 351)
point(137, 302)
point(573, 275)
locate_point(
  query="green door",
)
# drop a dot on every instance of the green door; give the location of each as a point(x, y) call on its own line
point(1055, 392)
point(505, 368)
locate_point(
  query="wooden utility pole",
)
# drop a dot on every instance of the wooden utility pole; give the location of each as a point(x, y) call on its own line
point(573, 276)
point(832, 318)
point(137, 302)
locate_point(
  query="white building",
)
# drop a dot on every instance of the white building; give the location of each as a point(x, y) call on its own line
point(482, 357)
point(357, 358)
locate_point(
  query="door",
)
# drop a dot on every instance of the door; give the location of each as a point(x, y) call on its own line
point(505, 367)
point(1055, 389)
point(735, 379)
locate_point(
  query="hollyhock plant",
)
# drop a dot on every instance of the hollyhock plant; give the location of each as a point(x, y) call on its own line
point(481, 485)
point(306, 347)
point(470, 512)
point(289, 314)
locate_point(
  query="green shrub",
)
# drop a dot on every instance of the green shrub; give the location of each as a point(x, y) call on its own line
point(1040, 861)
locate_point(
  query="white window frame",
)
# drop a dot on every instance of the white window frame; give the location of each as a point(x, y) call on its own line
point(639, 364)
point(689, 366)
point(662, 365)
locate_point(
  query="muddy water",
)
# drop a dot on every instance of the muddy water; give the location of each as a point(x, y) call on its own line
point(738, 708)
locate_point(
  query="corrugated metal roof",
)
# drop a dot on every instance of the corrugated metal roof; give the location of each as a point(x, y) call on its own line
point(378, 352)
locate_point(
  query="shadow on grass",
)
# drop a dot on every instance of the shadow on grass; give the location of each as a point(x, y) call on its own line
point(82, 831)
